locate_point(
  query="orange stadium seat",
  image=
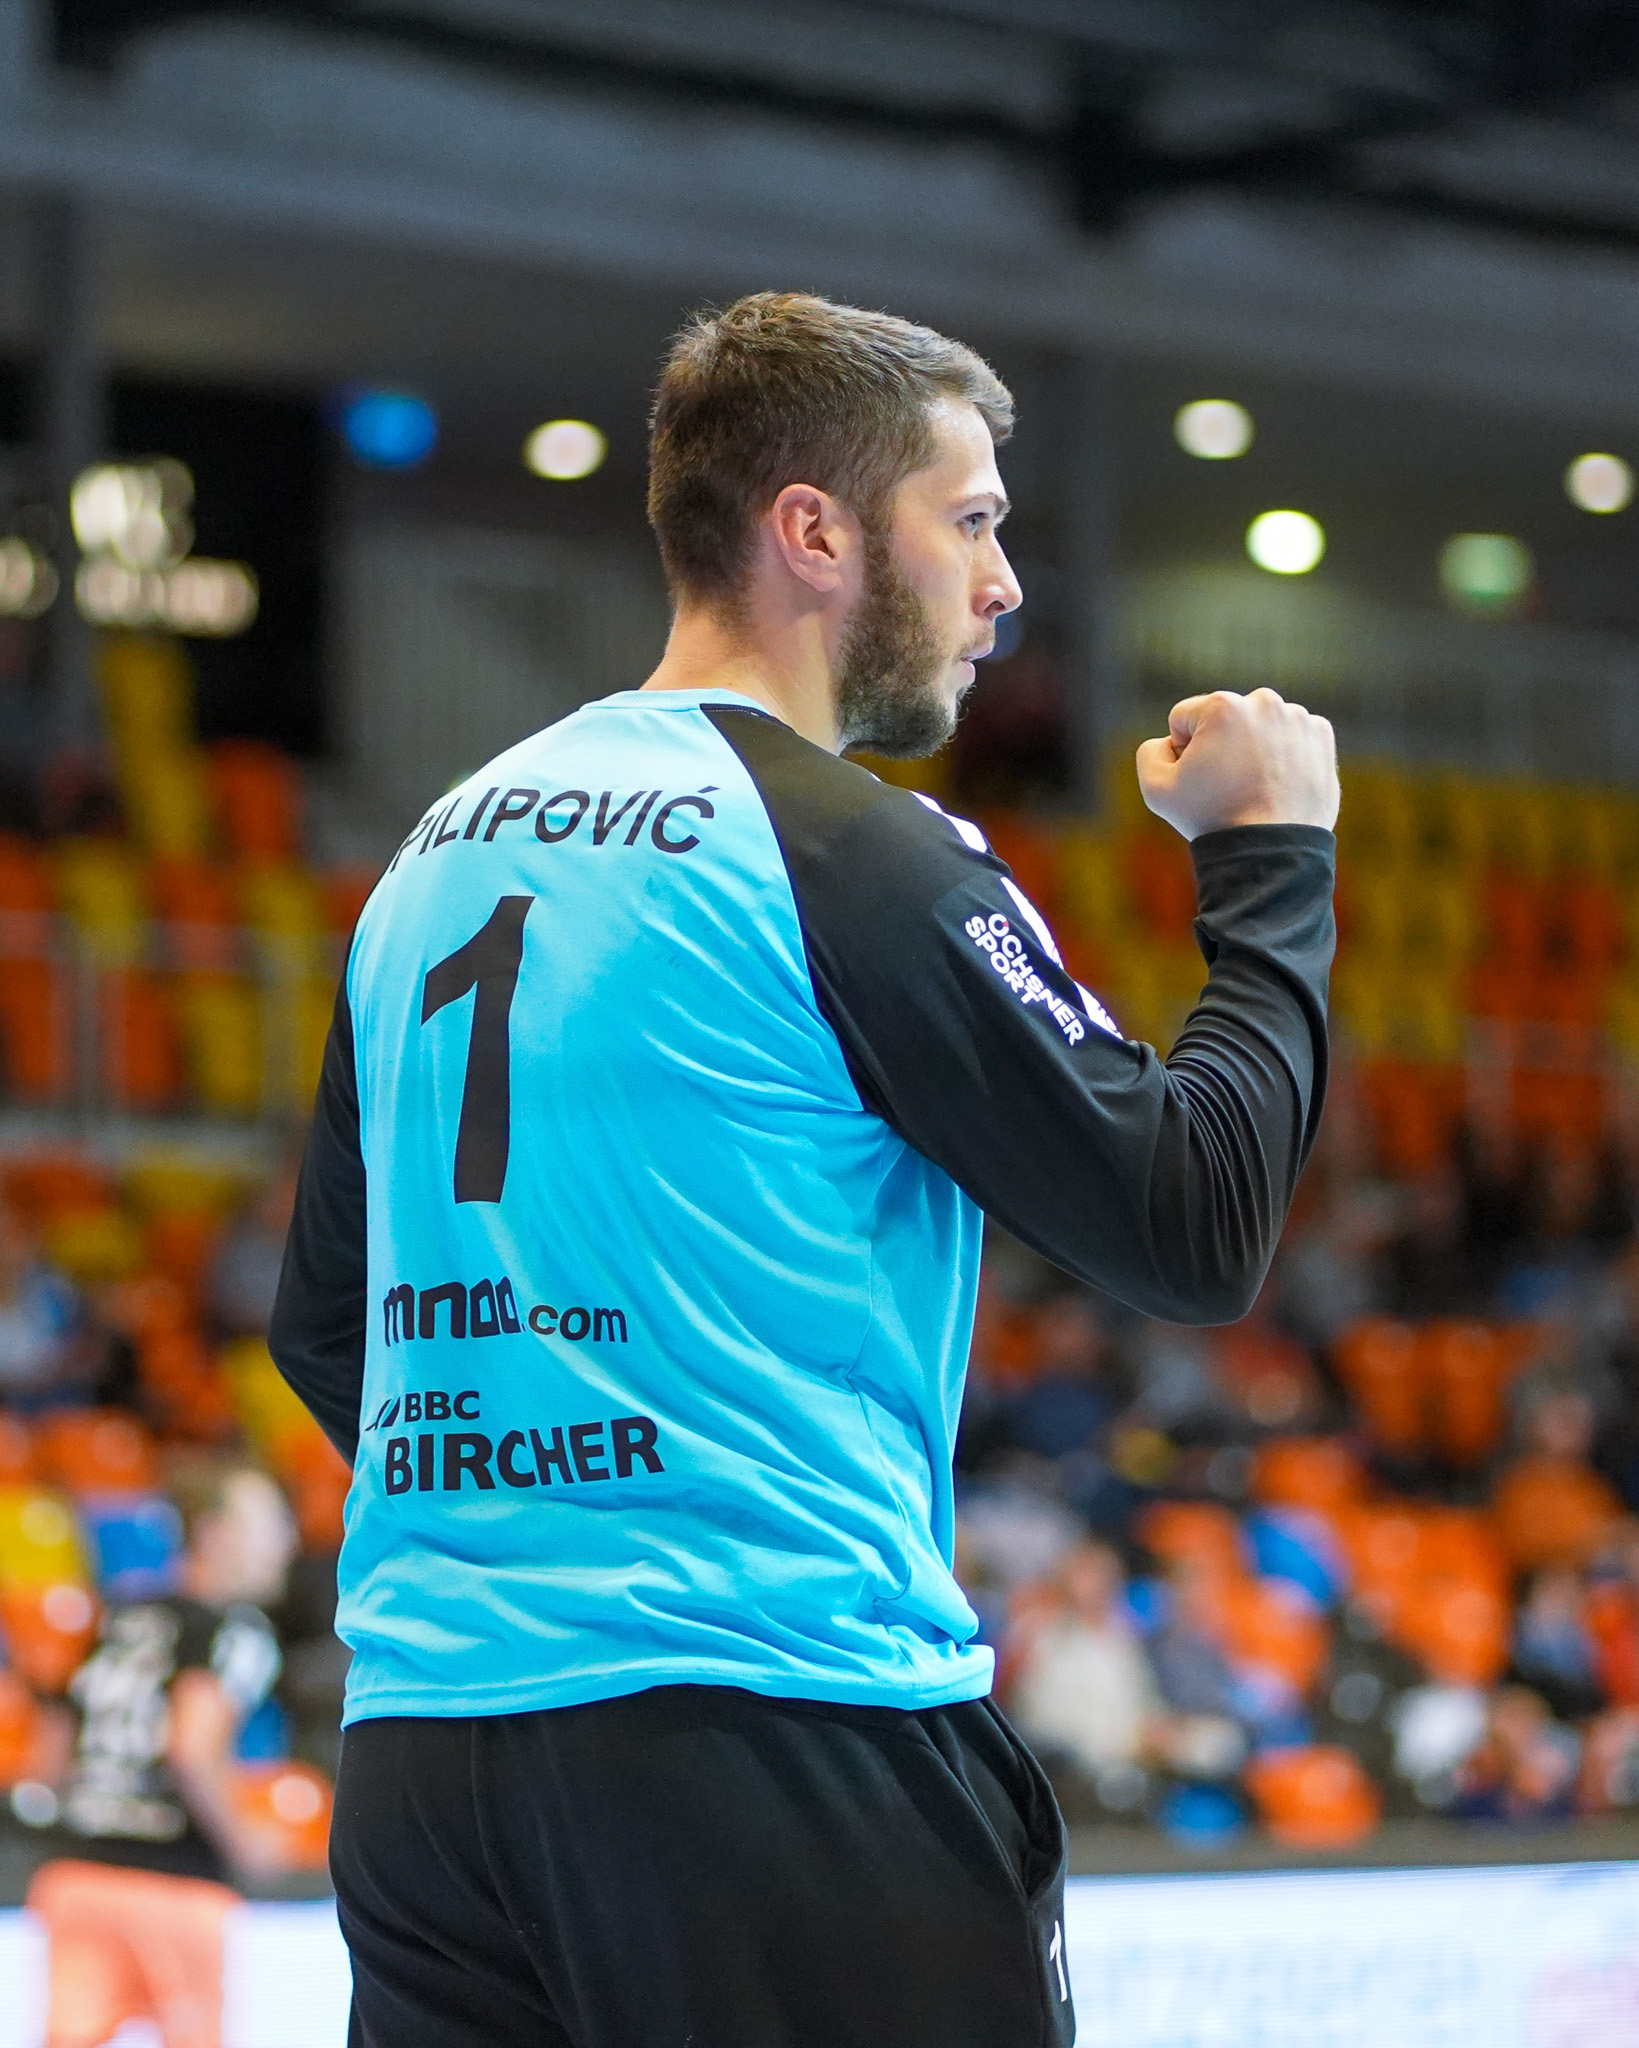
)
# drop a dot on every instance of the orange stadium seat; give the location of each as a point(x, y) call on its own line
point(346, 891)
point(1161, 882)
point(1383, 1544)
point(96, 1450)
point(35, 1037)
point(1588, 923)
point(16, 1452)
point(46, 1185)
point(1459, 1627)
point(20, 1730)
point(1029, 852)
point(1518, 914)
point(316, 1477)
point(1461, 1543)
point(1320, 1473)
point(1553, 1511)
point(141, 1057)
point(1379, 1363)
point(257, 796)
point(1313, 1798)
point(48, 1631)
point(293, 1800)
point(189, 890)
point(1271, 1624)
point(1466, 1368)
point(1198, 1535)
point(181, 1243)
point(184, 1387)
point(1412, 1107)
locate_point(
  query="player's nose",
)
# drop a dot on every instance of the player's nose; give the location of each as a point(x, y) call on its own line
point(1000, 591)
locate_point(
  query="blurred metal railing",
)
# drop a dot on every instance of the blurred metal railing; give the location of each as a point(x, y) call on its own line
point(163, 1018)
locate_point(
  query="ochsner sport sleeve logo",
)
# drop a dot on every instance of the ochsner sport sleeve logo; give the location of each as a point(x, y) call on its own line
point(994, 934)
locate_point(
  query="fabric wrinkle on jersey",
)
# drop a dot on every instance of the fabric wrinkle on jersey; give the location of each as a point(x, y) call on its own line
point(678, 1050)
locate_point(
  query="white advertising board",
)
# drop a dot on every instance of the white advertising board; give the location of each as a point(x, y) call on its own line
point(1500, 1958)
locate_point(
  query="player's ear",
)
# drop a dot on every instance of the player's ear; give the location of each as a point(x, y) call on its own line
point(813, 535)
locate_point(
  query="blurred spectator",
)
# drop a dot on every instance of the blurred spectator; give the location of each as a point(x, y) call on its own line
point(1325, 1275)
point(1553, 1651)
point(1013, 1525)
point(1082, 1682)
point(1361, 1699)
point(1194, 1673)
point(244, 1274)
point(1069, 1400)
point(161, 1699)
point(1436, 1729)
point(45, 1352)
point(1427, 1264)
point(1525, 1765)
point(1610, 1762)
point(1612, 1613)
point(1552, 1507)
point(1082, 1686)
point(147, 1800)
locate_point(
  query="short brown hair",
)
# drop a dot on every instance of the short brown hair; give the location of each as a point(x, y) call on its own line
point(784, 388)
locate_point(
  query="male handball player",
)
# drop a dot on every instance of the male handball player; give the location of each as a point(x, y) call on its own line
point(634, 1258)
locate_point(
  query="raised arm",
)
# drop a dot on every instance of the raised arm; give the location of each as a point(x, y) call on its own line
point(1164, 1182)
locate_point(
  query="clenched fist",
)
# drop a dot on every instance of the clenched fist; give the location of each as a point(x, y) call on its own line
point(1232, 760)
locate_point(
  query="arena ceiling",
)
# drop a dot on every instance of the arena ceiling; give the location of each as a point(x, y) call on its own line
point(1520, 116)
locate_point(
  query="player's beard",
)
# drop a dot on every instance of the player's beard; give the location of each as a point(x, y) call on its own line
point(890, 664)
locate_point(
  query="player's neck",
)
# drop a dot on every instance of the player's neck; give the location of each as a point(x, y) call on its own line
point(783, 664)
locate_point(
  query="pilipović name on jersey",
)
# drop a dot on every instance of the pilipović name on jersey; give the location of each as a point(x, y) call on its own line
point(646, 816)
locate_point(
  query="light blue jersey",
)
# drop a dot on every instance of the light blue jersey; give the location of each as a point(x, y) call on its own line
point(635, 1248)
point(666, 1331)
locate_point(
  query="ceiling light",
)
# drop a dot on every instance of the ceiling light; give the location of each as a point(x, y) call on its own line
point(28, 582)
point(1215, 429)
point(1599, 483)
point(1485, 572)
point(137, 511)
point(565, 450)
point(205, 599)
point(1286, 543)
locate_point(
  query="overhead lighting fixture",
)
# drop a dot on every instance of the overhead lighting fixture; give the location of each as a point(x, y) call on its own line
point(1286, 543)
point(1599, 483)
point(565, 450)
point(136, 511)
point(1215, 429)
point(1485, 572)
point(385, 429)
point(132, 519)
point(202, 598)
point(28, 582)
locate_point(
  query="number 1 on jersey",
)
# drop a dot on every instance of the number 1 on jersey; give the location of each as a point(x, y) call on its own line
point(488, 962)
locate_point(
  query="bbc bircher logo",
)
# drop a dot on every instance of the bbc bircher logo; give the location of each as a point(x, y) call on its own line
point(995, 935)
point(489, 1309)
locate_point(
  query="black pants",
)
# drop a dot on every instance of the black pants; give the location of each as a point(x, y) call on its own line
point(699, 1867)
